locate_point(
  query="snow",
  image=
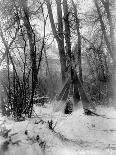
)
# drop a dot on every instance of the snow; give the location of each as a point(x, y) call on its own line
point(75, 134)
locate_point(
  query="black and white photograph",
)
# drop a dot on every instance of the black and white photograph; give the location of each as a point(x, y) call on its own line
point(57, 77)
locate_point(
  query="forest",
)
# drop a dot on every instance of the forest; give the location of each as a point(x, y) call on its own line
point(57, 77)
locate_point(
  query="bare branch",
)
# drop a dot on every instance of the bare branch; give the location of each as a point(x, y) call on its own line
point(5, 43)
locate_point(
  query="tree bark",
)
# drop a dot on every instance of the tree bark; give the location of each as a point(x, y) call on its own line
point(76, 95)
point(106, 5)
point(109, 43)
point(104, 32)
point(31, 37)
point(58, 35)
point(67, 29)
point(79, 41)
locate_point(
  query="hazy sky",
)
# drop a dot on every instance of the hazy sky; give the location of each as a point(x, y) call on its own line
point(84, 6)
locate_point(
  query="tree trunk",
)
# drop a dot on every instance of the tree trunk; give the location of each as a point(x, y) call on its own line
point(58, 35)
point(31, 37)
point(109, 43)
point(106, 5)
point(76, 95)
point(67, 29)
point(79, 41)
point(104, 32)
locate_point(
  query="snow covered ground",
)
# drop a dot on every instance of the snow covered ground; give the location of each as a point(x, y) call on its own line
point(75, 134)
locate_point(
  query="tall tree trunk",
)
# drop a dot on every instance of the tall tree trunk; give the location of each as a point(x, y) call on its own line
point(58, 35)
point(9, 83)
point(104, 32)
point(76, 95)
point(79, 40)
point(67, 29)
point(31, 37)
point(106, 5)
point(109, 43)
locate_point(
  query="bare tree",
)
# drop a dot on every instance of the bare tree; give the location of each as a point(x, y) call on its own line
point(109, 40)
point(77, 22)
point(58, 35)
